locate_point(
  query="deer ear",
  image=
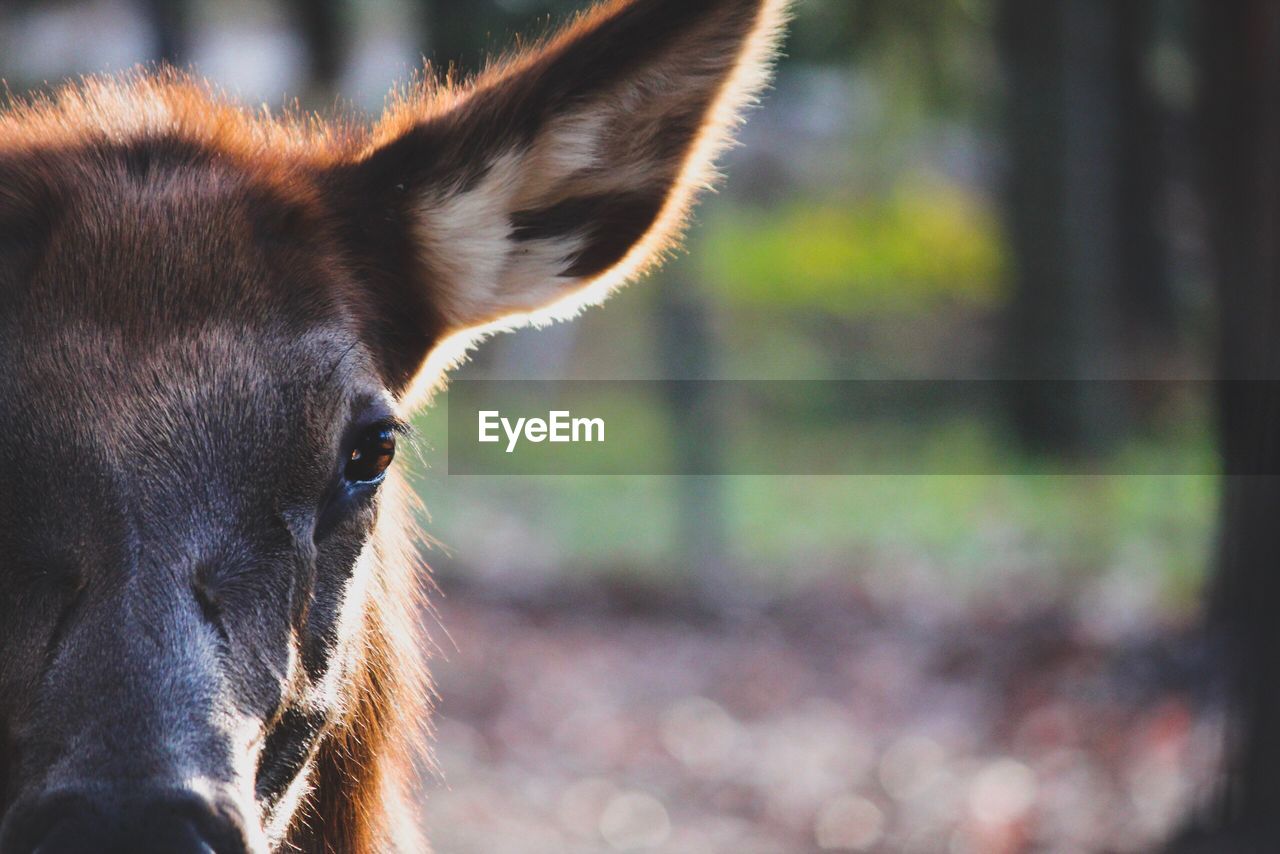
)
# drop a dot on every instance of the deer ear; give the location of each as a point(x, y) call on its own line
point(558, 173)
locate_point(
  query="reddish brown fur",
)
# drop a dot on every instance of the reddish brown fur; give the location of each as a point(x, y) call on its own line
point(364, 777)
point(294, 182)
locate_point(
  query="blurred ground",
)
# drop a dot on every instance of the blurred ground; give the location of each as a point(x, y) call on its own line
point(935, 664)
point(841, 718)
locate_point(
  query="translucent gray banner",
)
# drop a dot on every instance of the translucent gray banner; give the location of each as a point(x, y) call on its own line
point(856, 427)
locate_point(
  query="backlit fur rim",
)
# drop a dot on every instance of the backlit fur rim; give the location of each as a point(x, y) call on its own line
point(150, 103)
point(742, 88)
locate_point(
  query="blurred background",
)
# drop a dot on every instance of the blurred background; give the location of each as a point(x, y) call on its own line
point(935, 189)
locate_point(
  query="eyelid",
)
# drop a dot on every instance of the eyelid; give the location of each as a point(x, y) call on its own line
point(374, 414)
point(396, 425)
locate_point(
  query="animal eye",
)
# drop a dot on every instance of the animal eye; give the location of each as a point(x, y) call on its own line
point(371, 455)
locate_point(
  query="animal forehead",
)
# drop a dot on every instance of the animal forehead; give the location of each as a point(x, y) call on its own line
point(163, 232)
point(94, 385)
point(210, 434)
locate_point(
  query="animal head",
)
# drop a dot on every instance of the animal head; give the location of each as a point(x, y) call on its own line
point(213, 325)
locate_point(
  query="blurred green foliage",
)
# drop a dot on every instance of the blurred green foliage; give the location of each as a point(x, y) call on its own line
point(970, 532)
point(921, 245)
point(935, 55)
point(863, 266)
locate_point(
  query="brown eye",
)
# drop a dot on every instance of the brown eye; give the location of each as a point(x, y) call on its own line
point(371, 455)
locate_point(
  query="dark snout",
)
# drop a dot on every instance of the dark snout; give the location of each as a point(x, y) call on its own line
point(158, 823)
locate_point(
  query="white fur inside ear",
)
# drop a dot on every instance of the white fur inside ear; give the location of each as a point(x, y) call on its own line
point(616, 144)
point(484, 271)
point(571, 146)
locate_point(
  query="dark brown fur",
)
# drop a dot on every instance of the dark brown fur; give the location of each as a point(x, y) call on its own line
point(153, 212)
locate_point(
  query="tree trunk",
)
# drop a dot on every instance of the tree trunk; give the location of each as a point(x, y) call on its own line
point(1060, 57)
point(170, 23)
point(1147, 304)
point(1239, 126)
point(686, 351)
point(321, 24)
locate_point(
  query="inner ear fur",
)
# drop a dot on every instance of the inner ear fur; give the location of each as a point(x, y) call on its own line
point(553, 177)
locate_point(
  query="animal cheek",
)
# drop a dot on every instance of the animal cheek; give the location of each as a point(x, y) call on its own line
point(257, 640)
point(6, 757)
point(33, 628)
point(336, 611)
point(286, 759)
